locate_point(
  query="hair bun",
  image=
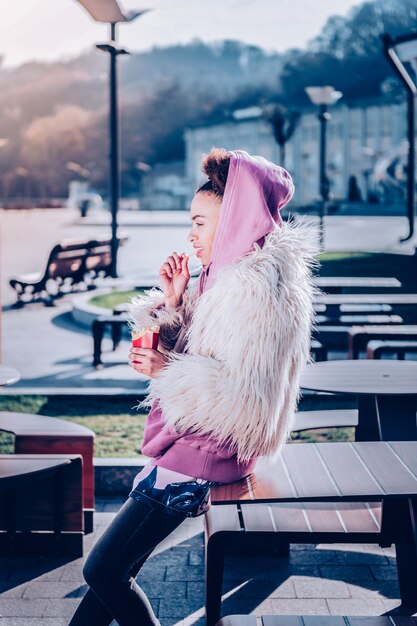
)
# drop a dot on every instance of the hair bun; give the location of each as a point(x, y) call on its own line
point(215, 165)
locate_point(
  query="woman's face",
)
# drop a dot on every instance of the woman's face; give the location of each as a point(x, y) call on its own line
point(204, 215)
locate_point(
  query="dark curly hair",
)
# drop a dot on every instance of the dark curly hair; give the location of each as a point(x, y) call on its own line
point(215, 165)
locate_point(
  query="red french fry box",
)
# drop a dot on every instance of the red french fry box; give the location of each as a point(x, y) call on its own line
point(148, 337)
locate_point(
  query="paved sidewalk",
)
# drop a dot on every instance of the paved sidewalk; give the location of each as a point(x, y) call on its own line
point(317, 580)
point(52, 352)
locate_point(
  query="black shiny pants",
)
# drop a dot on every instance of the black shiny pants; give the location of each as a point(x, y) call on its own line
point(115, 560)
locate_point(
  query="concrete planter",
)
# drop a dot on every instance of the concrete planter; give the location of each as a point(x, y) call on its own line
point(85, 313)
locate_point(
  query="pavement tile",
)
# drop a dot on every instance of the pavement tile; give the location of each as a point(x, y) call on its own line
point(72, 573)
point(348, 573)
point(181, 572)
point(311, 606)
point(67, 589)
point(152, 571)
point(355, 606)
point(64, 607)
point(378, 588)
point(163, 589)
point(22, 607)
point(384, 572)
point(319, 588)
point(34, 621)
point(180, 607)
point(313, 557)
point(12, 590)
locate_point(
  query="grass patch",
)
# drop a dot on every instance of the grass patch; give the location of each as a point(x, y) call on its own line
point(338, 256)
point(323, 435)
point(118, 427)
point(111, 300)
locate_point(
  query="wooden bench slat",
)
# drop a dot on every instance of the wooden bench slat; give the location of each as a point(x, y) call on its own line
point(227, 519)
point(361, 517)
point(311, 483)
point(339, 457)
point(287, 517)
point(323, 517)
point(392, 475)
point(311, 517)
point(317, 620)
point(405, 451)
point(286, 620)
point(334, 418)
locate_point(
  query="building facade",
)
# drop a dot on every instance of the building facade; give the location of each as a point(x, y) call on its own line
point(367, 142)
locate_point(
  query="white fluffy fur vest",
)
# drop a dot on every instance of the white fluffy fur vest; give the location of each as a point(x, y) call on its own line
point(247, 339)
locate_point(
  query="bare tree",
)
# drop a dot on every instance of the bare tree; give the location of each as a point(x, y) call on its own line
point(284, 122)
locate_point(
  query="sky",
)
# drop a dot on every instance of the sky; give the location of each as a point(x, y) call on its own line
point(47, 30)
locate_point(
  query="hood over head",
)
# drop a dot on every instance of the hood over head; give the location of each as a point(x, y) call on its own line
point(255, 192)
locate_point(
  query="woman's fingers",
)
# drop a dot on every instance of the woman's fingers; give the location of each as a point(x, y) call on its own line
point(184, 264)
point(167, 269)
point(177, 260)
point(175, 264)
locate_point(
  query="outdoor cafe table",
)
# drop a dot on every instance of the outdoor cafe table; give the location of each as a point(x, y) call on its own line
point(344, 471)
point(386, 392)
point(350, 471)
point(8, 375)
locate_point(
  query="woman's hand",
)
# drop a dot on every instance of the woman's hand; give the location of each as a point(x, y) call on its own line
point(147, 361)
point(174, 277)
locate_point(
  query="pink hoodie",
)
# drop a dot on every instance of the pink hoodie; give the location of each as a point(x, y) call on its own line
point(255, 192)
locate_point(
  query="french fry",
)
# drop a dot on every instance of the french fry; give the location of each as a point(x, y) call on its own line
point(147, 337)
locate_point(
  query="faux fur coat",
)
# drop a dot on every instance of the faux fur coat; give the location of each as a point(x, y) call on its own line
point(240, 346)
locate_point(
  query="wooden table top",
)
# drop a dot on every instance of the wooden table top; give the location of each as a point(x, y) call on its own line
point(356, 281)
point(361, 376)
point(8, 375)
point(13, 465)
point(335, 471)
point(27, 424)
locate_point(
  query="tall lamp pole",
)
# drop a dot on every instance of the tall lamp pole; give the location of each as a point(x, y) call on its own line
point(323, 97)
point(109, 12)
point(401, 53)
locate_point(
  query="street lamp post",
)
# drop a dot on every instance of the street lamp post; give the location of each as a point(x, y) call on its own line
point(110, 12)
point(401, 53)
point(323, 97)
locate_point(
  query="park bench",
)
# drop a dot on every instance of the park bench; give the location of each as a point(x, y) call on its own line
point(318, 493)
point(334, 305)
point(337, 335)
point(41, 434)
point(73, 263)
point(337, 284)
point(375, 349)
point(41, 509)
point(343, 320)
point(359, 336)
point(315, 620)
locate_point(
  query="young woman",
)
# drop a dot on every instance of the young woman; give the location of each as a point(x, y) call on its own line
point(224, 381)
